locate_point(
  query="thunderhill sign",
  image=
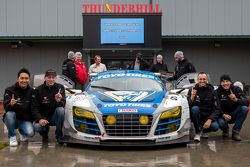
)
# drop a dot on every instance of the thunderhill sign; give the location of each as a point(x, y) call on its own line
point(121, 8)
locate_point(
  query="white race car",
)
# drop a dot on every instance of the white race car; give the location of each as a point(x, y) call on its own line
point(126, 107)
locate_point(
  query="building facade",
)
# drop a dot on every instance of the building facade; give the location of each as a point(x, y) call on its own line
point(213, 34)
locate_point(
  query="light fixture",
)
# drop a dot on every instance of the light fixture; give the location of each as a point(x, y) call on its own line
point(14, 45)
point(217, 44)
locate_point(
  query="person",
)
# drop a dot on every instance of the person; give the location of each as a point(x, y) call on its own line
point(48, 104)
point(182, 67)
point(68, 67)
point(204, 107)
point(159, 66)
point(81, 71)
point(97, 66)
point(17, 105)
point(234, 106)
point(139, 63)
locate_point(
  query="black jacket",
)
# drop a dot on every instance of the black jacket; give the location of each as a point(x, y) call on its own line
point(158, 67)
point(69, 70)
point(144, 65)
point(23, 106)
point(207, 101)
point(227, 105)
point(43, 101)
point(182, 67)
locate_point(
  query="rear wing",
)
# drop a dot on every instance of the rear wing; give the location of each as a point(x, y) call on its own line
point(187, 80)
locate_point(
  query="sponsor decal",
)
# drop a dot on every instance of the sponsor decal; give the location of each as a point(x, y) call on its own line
point(164, 138)
point(125, 75)
point(173, 98)
point(126, 95)
point(127, 105)
point(127, 110)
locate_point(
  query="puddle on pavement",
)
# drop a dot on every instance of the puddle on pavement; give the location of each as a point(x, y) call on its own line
point(207, 153)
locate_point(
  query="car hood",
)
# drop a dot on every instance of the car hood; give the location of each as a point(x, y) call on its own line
point(113, 102)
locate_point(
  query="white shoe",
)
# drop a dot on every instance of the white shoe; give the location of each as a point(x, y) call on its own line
point(204, 135)
point(22, 138)
point(13, 141)
point(197, 138)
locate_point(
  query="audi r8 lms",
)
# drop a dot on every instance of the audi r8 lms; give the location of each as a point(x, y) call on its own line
point(126, 107)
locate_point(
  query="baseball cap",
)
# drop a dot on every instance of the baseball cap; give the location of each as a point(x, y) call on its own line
point(50, 72)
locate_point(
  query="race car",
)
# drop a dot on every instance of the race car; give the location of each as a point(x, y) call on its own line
point(126, 108)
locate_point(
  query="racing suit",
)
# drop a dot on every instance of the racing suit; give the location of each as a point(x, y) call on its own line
point(18, 116)
point(237, 110)
point(204, 106)
point(44, 106)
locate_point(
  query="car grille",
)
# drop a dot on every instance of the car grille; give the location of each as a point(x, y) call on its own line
point(127, 125)
point(168, 125)
point(86, 125)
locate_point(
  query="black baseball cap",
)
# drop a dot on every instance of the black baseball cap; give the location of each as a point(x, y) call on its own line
point(50, 72)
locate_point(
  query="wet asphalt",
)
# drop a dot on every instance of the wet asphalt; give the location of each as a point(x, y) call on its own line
point(212, 152)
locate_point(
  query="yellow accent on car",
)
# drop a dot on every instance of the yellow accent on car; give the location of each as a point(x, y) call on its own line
point(110, 120)
point(174, 112)
point(143, 120)
point(83, 113)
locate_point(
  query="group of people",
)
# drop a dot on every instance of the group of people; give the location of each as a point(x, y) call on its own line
point(30, 110)
point(74, 68)
point(213, 109)
point(182, 67)
point(209, 109)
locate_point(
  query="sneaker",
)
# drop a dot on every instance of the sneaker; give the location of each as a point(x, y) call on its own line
point(236, 136)
point(13, 141)
point(204, 135)
point(197, 137)
point(23, 138)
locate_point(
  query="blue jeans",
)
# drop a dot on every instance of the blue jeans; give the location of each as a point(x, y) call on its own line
point(237, 117)
point(198, 121)
point(25, 127)
point(56, 119)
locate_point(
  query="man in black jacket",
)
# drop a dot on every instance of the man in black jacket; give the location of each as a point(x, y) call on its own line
point(68, 67)
point(139, 63)
point(204, 107)
point(234, 106)
point(182, 67)
point(48, 106)
point(159, 66)
point(17, 104)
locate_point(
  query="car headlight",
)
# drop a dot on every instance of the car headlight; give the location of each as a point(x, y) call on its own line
point(174, 112)
point(83, 113)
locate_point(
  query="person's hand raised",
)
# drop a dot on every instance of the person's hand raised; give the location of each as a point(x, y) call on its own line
point(58, 96)
point(13, 101)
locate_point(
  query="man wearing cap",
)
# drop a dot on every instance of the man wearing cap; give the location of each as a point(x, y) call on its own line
point(68, 67)
point(234, 106)
point(139, 63)
point(48, 104)
point(182, 67)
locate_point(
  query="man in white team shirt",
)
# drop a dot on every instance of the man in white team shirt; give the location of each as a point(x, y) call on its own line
point(97, 66)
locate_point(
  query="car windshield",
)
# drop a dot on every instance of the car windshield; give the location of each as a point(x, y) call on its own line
point(126, 84)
